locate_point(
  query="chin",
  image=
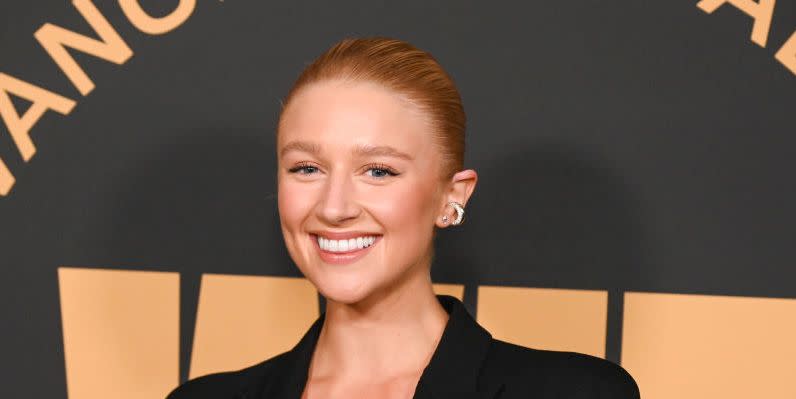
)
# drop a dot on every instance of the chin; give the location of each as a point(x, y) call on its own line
point(344, 293)
point(350, 290)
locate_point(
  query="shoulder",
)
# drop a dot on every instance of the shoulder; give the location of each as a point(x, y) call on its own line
point(554, 373)
point(226, 385)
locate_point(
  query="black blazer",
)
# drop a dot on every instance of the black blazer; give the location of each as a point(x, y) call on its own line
point(467, 364)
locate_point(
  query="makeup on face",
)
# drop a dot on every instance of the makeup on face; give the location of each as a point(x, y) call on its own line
point(358, 175)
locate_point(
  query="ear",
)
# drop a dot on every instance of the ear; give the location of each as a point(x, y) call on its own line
point(460, 188)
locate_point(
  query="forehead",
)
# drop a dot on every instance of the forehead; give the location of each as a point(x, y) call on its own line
point(344, 114)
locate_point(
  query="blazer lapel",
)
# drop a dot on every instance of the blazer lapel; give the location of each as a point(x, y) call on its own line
point(455, 366)
point(453, 371)
point(289, 375)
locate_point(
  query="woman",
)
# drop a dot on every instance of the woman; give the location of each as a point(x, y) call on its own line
point(370, 148)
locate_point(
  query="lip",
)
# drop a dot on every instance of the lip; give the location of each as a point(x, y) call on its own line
point(343, 258)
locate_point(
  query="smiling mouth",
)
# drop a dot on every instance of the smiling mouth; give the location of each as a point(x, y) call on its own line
point(344, 251)
point(343, 246)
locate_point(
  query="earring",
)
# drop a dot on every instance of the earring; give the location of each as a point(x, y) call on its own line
point(445, 219)
point(459, 212)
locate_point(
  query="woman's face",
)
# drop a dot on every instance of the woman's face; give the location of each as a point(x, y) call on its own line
point(359, 188)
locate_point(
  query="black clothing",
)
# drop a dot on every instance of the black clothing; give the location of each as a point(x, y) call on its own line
point(467, 364)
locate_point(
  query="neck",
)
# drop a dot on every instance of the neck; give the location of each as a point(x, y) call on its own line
point(391, 334)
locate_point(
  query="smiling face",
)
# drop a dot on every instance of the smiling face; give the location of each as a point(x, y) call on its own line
point(359, 188)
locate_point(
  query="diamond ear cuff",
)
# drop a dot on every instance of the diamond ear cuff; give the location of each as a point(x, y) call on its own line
point(459, 213)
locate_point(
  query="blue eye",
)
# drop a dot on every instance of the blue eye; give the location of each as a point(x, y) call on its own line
point(303, 169)
point(380, 171)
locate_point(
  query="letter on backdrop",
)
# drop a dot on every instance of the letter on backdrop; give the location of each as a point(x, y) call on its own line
point(787, 54)
point(6, 179)
point(157, 26)
point(43, 100)
point(55, 39)
point(761, 12)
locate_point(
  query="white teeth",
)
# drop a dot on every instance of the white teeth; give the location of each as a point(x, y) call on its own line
point(345, 245)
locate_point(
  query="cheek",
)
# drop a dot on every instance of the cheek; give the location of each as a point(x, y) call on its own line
point(405, 210)
point(295, 202)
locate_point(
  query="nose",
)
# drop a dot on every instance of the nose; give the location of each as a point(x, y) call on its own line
point(338, 203)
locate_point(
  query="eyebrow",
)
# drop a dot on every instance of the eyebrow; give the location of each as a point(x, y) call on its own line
point(301, 146)
point(381, 150)
point(361, 150)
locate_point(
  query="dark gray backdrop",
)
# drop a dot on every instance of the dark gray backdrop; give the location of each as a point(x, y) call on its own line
point(623, 145)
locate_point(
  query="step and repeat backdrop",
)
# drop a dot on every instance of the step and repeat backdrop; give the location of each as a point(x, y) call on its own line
point(635, 201)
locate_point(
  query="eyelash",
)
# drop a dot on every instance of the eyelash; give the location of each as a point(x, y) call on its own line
point(378, 166)
point(302, 167)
